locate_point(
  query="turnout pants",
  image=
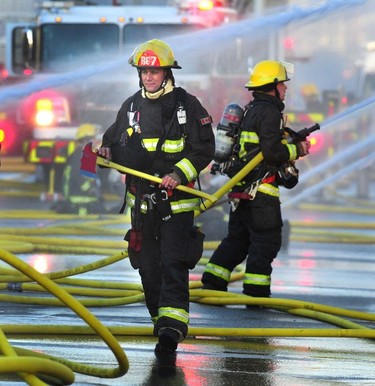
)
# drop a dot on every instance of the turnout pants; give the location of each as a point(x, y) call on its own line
point(164, 271)
point(254, 232)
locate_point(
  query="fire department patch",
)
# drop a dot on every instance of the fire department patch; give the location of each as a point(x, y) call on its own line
point(206, 120)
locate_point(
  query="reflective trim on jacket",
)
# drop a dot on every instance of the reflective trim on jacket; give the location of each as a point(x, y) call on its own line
point(178, 206)
point(247, 137)
point(187, 168)
point(269, 189)
point(169, 146)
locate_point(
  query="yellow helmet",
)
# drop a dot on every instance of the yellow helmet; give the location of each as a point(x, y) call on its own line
point(86, 130)
point(269, 72)
point(309, 89)
point(153, 53)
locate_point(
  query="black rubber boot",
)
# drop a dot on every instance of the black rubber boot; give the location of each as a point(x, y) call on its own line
point(168, 341)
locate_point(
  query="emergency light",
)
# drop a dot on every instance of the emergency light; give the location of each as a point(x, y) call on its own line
point(44, 114)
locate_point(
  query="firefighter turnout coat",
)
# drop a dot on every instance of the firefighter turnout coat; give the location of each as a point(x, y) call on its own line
point(172, 133)
point(254, 229)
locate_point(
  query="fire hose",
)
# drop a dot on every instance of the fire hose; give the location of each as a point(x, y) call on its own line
point(125, 295)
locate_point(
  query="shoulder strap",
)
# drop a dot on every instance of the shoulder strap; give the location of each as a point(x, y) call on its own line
point(181, 102)
point(134, 101)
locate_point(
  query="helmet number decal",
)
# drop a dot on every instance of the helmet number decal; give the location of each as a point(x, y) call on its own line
point(149, 59)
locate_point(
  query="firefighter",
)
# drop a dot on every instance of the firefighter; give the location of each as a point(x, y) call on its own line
point(255, 221)
point(81, 194)
point(164, 131)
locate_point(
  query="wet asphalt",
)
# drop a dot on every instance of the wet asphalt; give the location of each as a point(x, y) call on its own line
point(331, 277)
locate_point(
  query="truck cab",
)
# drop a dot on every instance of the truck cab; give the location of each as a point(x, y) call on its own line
point(75, 54)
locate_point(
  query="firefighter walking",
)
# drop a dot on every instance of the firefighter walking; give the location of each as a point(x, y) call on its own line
point(161, 130)
point(255, 221)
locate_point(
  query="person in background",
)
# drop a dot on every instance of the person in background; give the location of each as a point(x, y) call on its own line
point(164, 131)
point(82, 195)
point(255, 221)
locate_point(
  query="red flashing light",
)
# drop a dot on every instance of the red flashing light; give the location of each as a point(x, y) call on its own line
point(4, 74)
point(288, 43)
point(7, 134)
point(27, 72)
point(45, 108)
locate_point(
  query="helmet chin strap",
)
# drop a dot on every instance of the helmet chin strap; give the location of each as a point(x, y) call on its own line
point(165, 88)
point(277, 94)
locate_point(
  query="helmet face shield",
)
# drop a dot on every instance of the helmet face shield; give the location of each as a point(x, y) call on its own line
point(289, 67)
point(153, 54)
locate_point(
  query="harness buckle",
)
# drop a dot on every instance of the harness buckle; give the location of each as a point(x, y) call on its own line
point(251, 191)
point(165, 195)
point(152, 196)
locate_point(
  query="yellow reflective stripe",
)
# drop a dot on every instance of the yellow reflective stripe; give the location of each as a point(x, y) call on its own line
point(60, 159)
point(82, 199)
point(130, 201)
point(187, 205)
point(86, 186)
point(45, 144)
point(170, 146)
point(187, 168)
point(71, 147)
point(150, 143)
point(292, 152)
point(247, 137)
point(257, 279)
point(218, 271)
point(174, 313)
point(33, 157)
point(269, 189)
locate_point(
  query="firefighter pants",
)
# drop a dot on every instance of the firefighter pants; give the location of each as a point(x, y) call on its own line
point(164, 271)
point(254, 232)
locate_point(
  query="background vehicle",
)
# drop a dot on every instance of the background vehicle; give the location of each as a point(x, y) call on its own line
point(72, 39)
point(215, 55)
point(11, 12)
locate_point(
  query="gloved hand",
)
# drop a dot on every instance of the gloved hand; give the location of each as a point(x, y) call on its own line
point(303, 148)
point(170, 181)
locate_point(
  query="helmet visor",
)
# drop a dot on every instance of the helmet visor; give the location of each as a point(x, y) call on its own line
point(289, 67)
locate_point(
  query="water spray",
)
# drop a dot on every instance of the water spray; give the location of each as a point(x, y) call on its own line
point(206, 38)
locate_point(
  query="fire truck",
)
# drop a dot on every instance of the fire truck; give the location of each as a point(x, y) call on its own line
point(80, 41)
point(11, 11)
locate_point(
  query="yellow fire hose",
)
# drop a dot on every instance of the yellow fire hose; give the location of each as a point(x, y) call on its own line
point(82, 312)
point(27, 363)
point(310, 310)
